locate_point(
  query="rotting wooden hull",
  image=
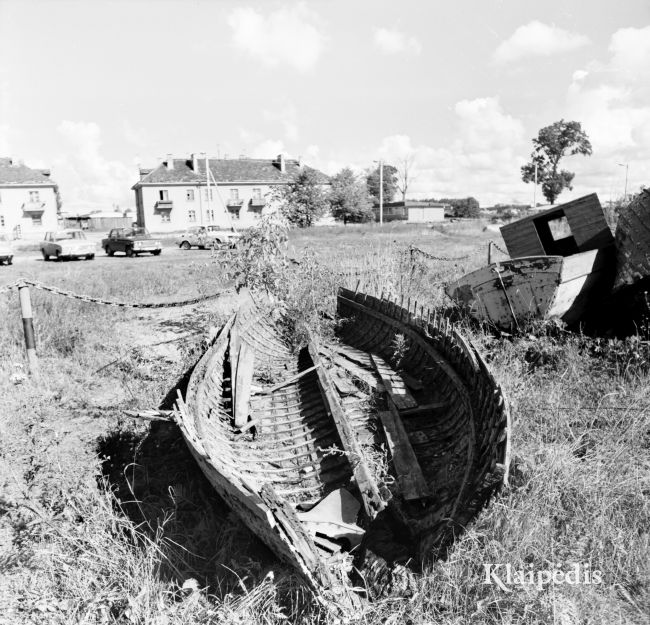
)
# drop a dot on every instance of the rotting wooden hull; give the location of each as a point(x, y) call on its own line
point(510, 292)
point(310, 421)
point(632, 240)
point(461, 443)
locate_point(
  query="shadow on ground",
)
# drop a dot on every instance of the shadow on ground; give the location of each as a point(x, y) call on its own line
point(161, 490)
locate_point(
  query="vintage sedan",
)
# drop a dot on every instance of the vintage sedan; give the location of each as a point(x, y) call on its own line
point(132, 241)
point(67, 244)
point(6, 250)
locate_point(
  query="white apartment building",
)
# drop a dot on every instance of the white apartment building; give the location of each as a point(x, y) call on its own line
point(197, 191)
point(28, 200)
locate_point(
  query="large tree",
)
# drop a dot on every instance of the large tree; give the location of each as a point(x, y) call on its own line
point(389, 182)
point(404, 174)
point(551, 145)
point(303, 200)
point(349, 198)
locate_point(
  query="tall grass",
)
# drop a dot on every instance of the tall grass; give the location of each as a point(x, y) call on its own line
point(103, 520)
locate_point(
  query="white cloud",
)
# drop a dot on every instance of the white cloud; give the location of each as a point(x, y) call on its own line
point(536, 39)
point(396, 42)
point(484, 161)
point(288, 36)
point(611, 101)
point(5, 143)
point(267, 149)
point(86, 177)
point(285, 115)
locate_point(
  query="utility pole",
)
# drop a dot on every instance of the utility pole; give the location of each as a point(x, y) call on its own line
point(626, 165)
point(207, 186)
point(381, 192)
point(535, 189)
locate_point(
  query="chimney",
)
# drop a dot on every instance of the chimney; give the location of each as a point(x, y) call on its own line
point(195, 163)
point(283, 167)
point(170, 161)
point(299, 162)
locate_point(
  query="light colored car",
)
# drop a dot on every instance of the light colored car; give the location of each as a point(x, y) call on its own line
point(70, 243)
point(6, 250)
point(207, 236)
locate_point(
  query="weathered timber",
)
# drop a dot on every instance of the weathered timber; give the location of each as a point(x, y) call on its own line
point(368, 488)
point(412, 482)
point(394, 384)
point(243, 380)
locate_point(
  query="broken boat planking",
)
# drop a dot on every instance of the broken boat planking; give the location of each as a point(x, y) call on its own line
point(632, 238)
point(298, 473)
point(562, 264)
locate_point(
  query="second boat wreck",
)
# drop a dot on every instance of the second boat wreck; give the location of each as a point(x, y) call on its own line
point(562, 263)
point(294, 438)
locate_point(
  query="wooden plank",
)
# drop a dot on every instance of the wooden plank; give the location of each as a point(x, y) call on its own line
point(370, 378)
point(243, 367)
point(432, 407)
point(394, 384)
point(413, 383)
point(343, 385)
point(409, 474)
point(372, 500)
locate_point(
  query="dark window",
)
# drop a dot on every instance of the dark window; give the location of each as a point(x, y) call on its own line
point(190, 195)
point(164, 194)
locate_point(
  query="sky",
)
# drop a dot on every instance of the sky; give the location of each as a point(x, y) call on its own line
point(93, 89)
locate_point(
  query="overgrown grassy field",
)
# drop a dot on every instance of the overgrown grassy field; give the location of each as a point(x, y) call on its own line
point(106, 519)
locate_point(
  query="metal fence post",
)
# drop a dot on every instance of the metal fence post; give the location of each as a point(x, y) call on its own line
point(28, 326)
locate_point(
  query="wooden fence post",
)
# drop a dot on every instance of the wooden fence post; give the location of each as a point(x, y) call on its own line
point(490, 253)
point(28, 326)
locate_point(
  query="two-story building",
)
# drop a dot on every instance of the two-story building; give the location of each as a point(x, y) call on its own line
point(226, 192)
point(28, 200)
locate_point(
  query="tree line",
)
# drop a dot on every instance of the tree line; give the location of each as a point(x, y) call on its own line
point(351, 196)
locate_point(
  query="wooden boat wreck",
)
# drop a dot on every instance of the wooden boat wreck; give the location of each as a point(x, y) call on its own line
point(562, 264)
point(289, 437)
point(633, 242)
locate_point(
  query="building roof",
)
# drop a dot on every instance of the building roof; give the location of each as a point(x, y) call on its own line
point(224, 171)
point(15, 173)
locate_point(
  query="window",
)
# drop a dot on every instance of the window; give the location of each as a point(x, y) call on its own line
point(164, 195)
point(189, 195)
point(257, 194)
point(2, 221)
point(165, 217)
point(33, 196)
point(206, 195)
point(210, 214)
point(191, 215)
point(234, 194)
point(234, 212)
point(37, 220)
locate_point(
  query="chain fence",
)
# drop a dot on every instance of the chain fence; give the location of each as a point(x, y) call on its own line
point(104, 302)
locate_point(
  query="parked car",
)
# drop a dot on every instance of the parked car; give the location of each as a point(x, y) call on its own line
point(207, 236)
point(71, 243)
point(131, 241)
point(6, 250)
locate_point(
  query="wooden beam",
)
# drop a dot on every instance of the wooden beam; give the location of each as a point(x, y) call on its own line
point(413, 484)
point(394, 384)
point(372, 500)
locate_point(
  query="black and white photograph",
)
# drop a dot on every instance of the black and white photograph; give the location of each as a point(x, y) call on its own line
point(324, 312)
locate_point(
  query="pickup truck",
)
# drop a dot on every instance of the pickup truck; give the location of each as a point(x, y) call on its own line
point(131, 241)
point(207, 236)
